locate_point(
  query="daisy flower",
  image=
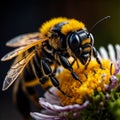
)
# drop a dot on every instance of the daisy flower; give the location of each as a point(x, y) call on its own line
point(97, 98)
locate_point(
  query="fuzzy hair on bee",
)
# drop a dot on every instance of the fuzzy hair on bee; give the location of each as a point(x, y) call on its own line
point(39, 55)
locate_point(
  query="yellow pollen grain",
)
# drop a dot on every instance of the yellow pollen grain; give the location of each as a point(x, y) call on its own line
point(93, 78)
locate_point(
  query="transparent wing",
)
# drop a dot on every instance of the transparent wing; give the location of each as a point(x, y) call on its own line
point(23, 39)
point(16, 70)
point(22, 49)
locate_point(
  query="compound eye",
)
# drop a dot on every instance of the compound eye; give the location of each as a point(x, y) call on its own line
point(74, 41)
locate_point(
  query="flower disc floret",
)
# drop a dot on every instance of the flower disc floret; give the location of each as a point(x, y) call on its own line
point(93, 79)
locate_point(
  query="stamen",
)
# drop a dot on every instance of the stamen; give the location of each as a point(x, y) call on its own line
point(96, 79)
point(111, 67)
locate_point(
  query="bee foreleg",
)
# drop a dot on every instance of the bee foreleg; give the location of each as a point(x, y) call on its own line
point(55, 82)
point(88, 63)
point(48, 72)
point(75, 60)
point(67, 65)
point(96, 57)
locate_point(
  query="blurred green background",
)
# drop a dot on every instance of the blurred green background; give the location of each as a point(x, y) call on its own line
point(24, 16)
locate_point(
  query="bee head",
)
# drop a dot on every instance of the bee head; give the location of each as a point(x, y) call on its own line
point(80, 42)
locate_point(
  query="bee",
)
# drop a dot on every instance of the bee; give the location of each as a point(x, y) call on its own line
point(39, 55)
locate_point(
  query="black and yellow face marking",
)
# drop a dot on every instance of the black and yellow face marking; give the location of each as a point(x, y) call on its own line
point(71, 36)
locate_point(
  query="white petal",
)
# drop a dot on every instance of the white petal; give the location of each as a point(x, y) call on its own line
point(103, 53)
point(111, 51)
point(118, 51)
point(99, 56)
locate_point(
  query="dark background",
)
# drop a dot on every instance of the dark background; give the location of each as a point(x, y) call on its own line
point(24, 16)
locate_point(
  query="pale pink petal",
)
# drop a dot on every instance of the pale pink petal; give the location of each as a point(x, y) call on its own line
point(39, 116)
point(51, 96)
point(54, 107)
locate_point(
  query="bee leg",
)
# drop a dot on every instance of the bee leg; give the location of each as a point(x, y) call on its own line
point(55, 68)
point(48, 71)
point(75, 60)
point(96, 57)
point(87, 63)
point(55, 82)
point(68, 66)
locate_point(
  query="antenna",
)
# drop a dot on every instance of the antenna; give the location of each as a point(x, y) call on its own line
point(101, 20)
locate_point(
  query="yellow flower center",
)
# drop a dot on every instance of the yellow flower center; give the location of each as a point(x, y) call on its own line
point(93, 79)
